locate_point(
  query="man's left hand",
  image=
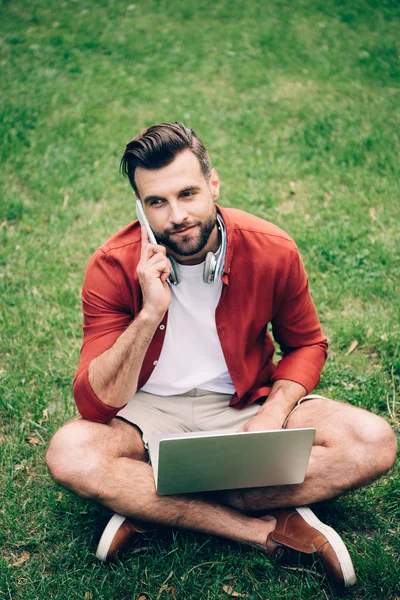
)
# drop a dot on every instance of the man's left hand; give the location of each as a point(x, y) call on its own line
point(263, 422)
point(282, 399)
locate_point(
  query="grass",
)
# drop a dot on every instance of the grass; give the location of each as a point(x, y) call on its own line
point(298, 104)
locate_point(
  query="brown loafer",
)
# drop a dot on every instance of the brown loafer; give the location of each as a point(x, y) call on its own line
point(117, 534)
point(300, 537)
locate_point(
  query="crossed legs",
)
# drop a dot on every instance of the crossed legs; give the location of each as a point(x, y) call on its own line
point(107, 463)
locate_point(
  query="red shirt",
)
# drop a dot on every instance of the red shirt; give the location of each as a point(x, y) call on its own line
point(264, 282)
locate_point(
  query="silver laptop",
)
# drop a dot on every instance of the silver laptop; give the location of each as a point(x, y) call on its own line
point(215, 460)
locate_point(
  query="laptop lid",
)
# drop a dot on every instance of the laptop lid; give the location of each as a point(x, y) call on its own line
point(215, 460)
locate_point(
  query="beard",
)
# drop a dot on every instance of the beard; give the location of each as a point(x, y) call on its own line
point(188, 245)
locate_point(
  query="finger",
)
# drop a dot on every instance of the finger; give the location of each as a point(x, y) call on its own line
point(249, 426)
point(158, 262)
point(159, 265)
point(166, 272)
point(164, 276)
point(154, 249)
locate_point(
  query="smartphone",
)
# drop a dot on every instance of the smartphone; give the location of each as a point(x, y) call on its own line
point(144, 222)
point(173, 279)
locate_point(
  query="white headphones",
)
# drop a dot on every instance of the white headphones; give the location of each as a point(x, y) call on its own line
point(213, 264)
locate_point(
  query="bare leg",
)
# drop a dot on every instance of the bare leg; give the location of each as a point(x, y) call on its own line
point(352, 447)
point(107, 463)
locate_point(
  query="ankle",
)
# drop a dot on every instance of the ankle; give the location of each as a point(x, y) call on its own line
point(264, 526)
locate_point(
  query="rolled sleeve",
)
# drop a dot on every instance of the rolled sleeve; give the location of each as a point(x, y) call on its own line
point(105, 316)
point(297, 330)
point(89, 405)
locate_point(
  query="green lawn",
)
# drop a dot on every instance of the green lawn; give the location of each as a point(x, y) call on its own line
point(299, 105)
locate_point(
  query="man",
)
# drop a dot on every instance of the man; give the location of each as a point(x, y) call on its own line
point(161, 359)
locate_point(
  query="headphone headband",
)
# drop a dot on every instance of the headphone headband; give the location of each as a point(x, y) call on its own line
point(214, 266)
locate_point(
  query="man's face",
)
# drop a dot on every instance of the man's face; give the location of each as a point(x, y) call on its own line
point(179, 204)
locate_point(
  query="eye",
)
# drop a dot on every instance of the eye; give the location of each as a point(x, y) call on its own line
point(156, 202)
point(187, 194)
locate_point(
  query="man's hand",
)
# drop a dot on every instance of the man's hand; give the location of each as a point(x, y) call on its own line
point(263, 422)
point(153, 271)
point(282, 399)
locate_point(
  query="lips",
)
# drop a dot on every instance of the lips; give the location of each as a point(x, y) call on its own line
point(183, 232)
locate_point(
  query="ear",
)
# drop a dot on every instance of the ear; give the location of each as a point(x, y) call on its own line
point(214, 184)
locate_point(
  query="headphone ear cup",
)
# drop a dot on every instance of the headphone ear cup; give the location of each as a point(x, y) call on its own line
point(175, 276)
point(209, 268)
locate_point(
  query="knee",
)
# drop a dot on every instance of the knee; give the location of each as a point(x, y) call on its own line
point(70, 457)
point(387, 445)
point(380, 444)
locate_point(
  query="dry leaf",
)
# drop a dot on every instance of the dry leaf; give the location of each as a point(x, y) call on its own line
point(250, 576)
point(352, 347)
point(143, 598)
point(228, 589)
point(140, 549)
point(164, 586)
point(347, 385)
point(23, 558)
point(20, 467)
point(59, 497)
point(372, 213)
point(34, 441)
point(173, 592)
point(45, 414)
point(88, 596)
point(370, 332)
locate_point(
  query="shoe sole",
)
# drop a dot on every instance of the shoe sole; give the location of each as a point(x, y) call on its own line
point(108, 535)
point(335, 541)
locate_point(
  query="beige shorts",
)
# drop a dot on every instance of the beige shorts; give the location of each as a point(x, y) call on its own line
point(196, 410)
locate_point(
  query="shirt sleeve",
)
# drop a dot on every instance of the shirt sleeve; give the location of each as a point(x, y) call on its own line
point(297, 330)
point(106, 315)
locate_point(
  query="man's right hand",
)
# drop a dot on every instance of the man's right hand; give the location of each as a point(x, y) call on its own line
point(153, 271)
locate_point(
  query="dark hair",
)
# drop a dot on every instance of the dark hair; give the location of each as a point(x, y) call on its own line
point(157, 147)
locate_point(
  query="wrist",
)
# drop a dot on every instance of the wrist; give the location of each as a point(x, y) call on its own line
point(276, 408)
point(151, 317)
point(283, 397)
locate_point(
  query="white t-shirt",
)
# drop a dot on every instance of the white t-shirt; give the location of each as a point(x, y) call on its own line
point(191, 356)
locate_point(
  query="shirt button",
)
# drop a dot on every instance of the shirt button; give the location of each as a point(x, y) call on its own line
point(162, 327)
point(155, 362)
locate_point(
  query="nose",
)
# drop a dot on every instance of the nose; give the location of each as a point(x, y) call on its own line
point(178, 213)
